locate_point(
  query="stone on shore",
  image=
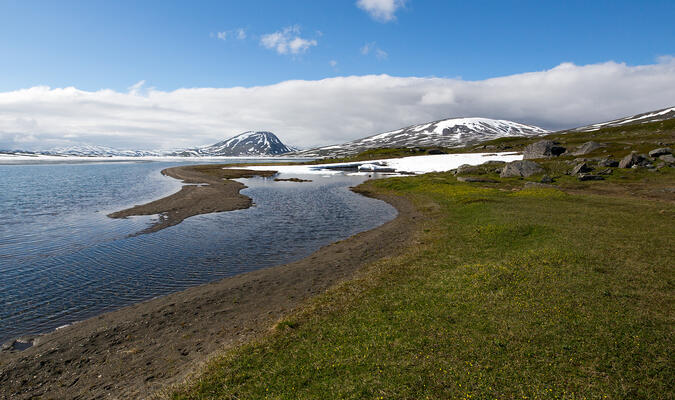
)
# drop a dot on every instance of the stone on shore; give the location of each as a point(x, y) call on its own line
point(521, 169)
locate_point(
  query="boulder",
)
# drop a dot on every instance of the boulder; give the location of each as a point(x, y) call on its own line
point(632, 160)
point(587, 147)
point(660, 152)
point(608, 162)
point(589, 177)
point(474, 179)
point(546, 179)
point(468, 169)
point(581, 168)
point(668, 159)
point(607, 171)
point(521, 169)
point(542, 149)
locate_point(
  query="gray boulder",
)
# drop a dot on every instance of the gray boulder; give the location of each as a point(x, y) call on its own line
point(467, 169)
point(660, 152)
point(581, 168)
point(668, 159)
point(542, 149)
point(587, 147)
point(521, 169)
point(632, 160)
point(589, 177)
point(608, 162)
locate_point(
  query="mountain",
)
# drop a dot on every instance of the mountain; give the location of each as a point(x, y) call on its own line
point(453, 132)
point(652, 116)
point(87, 150)
point(245, 144)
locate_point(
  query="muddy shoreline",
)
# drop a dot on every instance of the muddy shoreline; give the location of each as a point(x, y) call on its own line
point(141, 349)
point(209, 188)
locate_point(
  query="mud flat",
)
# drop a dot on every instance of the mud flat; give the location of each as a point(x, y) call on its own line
point(208, 189)
point(138, 350)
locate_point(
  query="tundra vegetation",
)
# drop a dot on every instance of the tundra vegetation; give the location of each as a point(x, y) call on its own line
point(543, 287)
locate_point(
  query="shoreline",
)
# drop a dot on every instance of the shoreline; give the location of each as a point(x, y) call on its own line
point(146, 347)
point(207, 189)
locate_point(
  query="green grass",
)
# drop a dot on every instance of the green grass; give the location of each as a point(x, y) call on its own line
point(533, 294)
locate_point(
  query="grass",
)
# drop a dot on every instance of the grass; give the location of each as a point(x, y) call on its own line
point(533, 294)
point(507, 293)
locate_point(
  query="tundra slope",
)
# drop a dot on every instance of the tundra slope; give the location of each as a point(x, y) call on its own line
point(453, 132)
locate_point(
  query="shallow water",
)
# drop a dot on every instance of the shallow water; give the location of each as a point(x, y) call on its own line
point(62, 260)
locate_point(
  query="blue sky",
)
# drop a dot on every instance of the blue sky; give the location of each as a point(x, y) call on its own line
point(169, 74)
point(172, 44)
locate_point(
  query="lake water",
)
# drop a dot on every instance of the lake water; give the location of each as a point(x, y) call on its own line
point(62, 260)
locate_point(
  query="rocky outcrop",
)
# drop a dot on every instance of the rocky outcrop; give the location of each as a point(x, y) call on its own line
point(581, 168)
point(608, 162)
point(660, 152)
point(521, 169)
point(542, 149)
point(631, 160)
point(587, 147)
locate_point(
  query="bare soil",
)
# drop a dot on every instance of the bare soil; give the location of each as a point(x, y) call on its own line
point(211, 190)
point(140, 349)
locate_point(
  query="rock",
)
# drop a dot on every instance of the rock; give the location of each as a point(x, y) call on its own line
point(537, 185)
point(668, 159)
point(542, 149)
point(608, 162)
point(607, 171)
point(436, 151)
point(660, 152)
point(474, 179)
point(589, 177)
point(468, 169)
point(546, 179)
point(632, 160)
point(587, 147)
point(522, 169)
point(581, 168)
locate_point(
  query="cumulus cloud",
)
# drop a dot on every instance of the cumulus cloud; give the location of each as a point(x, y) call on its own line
point(381, 10)
point(287, 41)
point(334, 110)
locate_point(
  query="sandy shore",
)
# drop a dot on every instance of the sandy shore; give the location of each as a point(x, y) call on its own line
point(137, 350)
point(211, 190)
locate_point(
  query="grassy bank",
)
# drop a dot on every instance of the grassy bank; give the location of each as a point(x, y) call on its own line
point(530, 294)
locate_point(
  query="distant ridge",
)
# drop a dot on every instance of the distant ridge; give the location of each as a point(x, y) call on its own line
point(651, 116)
point(452, 132)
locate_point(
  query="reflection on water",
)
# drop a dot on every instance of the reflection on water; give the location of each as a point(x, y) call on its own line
point(63, 260)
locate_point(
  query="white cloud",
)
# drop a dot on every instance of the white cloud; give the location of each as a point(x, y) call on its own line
point(381, 10)
point(333, 63)
point(334, 110)
point(371, 47)
point(239, 34)
point(287, 41)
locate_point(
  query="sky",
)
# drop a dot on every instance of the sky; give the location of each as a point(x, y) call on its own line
point(172, 74)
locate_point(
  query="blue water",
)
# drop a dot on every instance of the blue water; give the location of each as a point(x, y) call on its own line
point(62, 260)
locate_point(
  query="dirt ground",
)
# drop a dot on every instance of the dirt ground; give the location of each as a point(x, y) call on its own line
point(140, 349)
point(211, 190)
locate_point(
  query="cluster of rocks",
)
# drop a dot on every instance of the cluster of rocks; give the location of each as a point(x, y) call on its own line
point(585, 169)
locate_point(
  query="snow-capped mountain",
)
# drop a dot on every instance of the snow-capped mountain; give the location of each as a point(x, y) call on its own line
point(87, 150)
point(652, 116)
point(251, 143)
point(453, 132)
